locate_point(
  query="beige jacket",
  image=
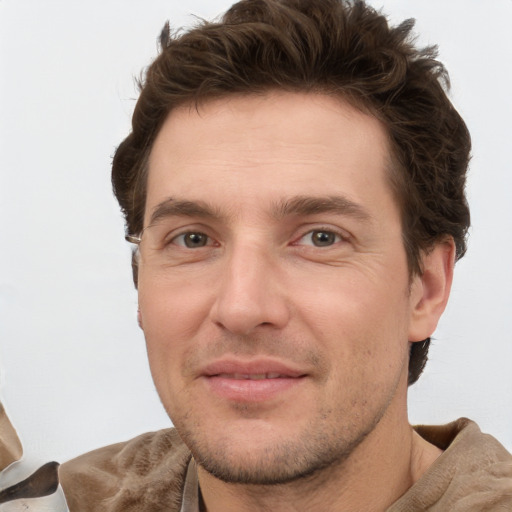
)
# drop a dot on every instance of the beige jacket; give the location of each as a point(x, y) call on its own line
point(154, 473)
point(149, 473)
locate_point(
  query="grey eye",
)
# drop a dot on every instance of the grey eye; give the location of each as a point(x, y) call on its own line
point(192, 240)
point(323, 238)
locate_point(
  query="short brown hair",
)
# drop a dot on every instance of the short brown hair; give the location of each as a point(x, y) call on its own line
point(337, 47)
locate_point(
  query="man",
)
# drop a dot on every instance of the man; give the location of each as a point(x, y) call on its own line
point(294, 183)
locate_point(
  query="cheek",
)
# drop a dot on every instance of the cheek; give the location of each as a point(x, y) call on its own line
point(172, 318)
point(360, 319)
point(170, 311)
point(365, 339)
point(353, 301)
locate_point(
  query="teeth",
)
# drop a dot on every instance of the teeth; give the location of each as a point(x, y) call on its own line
point(258, 376)
point(252, 376)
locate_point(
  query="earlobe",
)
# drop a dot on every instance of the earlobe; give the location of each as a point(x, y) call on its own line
point(431, 289)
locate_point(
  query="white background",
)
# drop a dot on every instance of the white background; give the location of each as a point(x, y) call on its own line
point(73, 366)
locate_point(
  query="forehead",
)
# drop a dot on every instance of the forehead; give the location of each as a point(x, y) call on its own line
point(244, 149)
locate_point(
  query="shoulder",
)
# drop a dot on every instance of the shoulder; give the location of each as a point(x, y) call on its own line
point(143, 474)
point(474, 473)
point(467, 448)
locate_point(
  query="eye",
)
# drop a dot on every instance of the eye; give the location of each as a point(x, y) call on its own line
point(192, 240)
point(320, 238)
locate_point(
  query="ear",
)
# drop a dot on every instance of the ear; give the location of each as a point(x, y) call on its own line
point(431, 289)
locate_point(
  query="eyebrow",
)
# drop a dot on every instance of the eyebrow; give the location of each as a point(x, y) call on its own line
point(172, 207)
point(311, 205)
point(298, 205)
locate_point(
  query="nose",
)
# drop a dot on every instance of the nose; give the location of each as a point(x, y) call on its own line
point(250, 294)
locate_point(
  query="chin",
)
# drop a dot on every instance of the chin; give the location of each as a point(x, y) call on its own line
point(272, 462)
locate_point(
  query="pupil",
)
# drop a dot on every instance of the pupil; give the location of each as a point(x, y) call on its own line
point(323, 238)
point(195, 240)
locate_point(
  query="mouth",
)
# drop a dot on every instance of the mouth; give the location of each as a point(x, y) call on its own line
point(248, 376)
point(255, 381)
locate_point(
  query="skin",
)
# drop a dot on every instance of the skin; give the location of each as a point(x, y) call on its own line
point(273, 240)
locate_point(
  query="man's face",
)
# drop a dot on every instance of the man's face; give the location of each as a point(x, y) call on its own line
point(273, 285)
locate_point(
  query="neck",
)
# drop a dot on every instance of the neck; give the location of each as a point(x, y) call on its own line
point(382, 468)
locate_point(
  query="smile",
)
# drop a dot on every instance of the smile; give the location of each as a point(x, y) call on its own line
point(260, 380)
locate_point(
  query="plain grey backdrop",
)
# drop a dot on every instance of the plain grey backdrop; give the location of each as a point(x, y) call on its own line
point(73, 367)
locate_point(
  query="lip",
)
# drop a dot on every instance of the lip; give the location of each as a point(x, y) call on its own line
point(251, 381)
